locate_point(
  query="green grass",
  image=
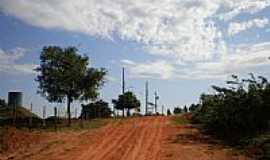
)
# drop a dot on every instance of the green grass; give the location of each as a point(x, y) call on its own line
point(179, 120)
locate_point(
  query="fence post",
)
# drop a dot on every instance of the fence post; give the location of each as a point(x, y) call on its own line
point(55, 118)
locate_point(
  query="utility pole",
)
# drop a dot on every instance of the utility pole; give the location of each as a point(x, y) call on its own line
point(123, 87)
point(55, 118)
point(162, 109)
point(146, 98)
point(156, 98)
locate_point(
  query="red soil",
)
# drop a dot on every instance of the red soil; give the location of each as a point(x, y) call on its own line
point(147, 138)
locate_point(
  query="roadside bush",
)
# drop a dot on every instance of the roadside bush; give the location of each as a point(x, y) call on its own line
point(99, 109)
point(242, 109)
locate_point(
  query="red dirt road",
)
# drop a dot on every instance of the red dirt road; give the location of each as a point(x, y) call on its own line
point(147, 138)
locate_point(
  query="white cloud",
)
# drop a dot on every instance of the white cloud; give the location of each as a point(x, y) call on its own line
point(243, 58)
point(234, 8)
point(157, 69)
point(8, 62)
point(186, 31)
point(181, 29)
point(236, 27)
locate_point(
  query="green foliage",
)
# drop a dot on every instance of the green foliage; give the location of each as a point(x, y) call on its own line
point(3, 102)
point(193, 107)
point(180, 120)
point(98, 109)
point(177, 110)
point(185, 109)
point(242, 109)
point(128, 101)
point(169, 112)
point(64, 74)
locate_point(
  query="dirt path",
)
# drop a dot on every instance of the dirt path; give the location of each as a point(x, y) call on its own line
point(148, 138)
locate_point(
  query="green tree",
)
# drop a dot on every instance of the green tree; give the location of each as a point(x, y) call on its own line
point(185, 109)
point(169, 112)
point(193, 107)
point(242, 109)
point(64, 75)
point(3, 102)
point(98, 109)
point(128, 101)
point(177, 110)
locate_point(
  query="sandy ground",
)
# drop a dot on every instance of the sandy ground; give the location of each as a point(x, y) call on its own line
point(148, 138)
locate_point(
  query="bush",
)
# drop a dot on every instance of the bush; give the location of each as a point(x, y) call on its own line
point(99, 109)
point(242, 109)
point(177, 110)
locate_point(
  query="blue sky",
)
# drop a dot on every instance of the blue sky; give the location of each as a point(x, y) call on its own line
point(181, 47)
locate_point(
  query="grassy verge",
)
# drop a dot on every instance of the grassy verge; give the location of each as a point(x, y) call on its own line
point(179, 120)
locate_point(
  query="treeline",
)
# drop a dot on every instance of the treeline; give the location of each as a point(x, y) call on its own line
point(240, 110)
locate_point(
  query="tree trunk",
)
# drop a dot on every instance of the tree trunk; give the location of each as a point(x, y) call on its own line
point(68, 110)
point(123, 112)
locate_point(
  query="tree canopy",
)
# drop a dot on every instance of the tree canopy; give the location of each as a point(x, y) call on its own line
point(128, 101)
point(242, 109)
point(98, 109)
point(177, 110)
point(64, 75)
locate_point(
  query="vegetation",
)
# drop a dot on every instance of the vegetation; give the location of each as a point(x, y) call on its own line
point(242, 109)
point(128, 101)
point(180, 120)
point(98, 109)
point(64, 74)
point(3, 102)
point(193, 107)
point(185, 109)
point(177, 110)
point(169, 112)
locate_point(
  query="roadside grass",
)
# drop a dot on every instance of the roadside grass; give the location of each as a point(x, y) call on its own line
point(179, 120)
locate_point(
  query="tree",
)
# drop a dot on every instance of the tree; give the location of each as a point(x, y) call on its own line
point(193, 107)
point(177, 110)
point(64, 75)
point(98, 109)
point(240, 110)
point(126, 101)
point(169, 112)
point(3, 102)
point(185, 109)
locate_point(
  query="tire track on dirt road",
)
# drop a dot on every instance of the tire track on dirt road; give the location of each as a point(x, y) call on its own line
point(117, 149)
point(106, 141)
point(135, 143)
point(150, 139)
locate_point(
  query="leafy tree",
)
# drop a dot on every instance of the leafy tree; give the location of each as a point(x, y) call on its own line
point(128, 101)
point(242, 109)
point(193, 107)
point(64, 74)
point(2, 102)
point(169, 112)
point(177, 110)
point(98, 109)
point(185, 109)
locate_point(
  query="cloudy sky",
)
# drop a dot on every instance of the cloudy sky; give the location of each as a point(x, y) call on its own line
point(180, 46)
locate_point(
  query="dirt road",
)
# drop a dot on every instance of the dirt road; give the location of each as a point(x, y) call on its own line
point(148, 138)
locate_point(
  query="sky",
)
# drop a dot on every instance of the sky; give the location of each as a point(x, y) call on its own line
point(181, 47)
